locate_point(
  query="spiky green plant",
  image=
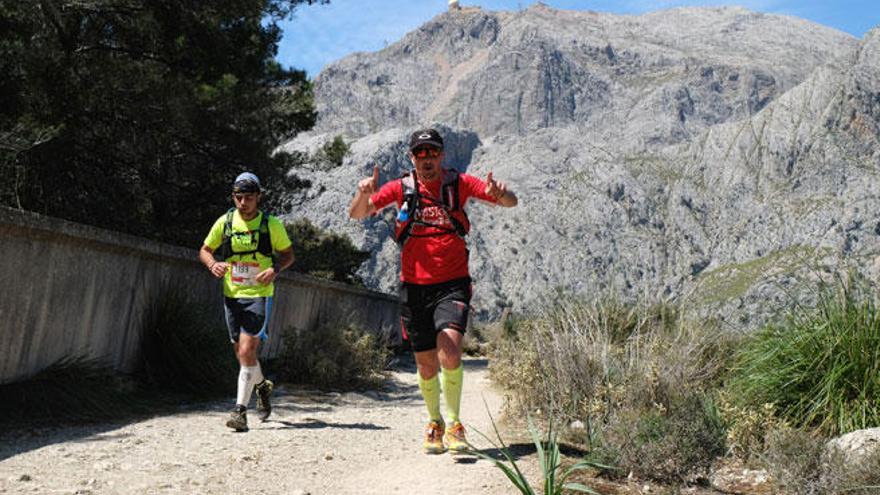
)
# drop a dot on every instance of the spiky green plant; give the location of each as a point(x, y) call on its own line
point(186, 348)
point(820, 368)
point(554, 476)
point(71, 390)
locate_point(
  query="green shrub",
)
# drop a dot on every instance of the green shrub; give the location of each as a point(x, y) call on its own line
point(638, 377)
point(334, 356)
point(71, 391)
point(324, 254)
point(674, 444)
point(794, 460)
point(186, 347)
point(332, 153)
point(584, 360)
point(820, 368)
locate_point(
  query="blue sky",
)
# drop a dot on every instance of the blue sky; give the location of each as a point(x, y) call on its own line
point(320, 34)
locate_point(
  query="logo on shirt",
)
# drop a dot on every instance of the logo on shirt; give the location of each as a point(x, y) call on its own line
point(435, 216)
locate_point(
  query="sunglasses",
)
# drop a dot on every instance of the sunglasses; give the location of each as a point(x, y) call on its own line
point(426, 152)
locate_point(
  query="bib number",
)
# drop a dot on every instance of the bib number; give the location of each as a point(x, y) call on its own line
point(244, 272)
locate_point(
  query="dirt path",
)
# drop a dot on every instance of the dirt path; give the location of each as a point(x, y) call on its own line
point(314, 443)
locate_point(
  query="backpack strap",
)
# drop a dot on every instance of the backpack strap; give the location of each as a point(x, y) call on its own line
point(264, 241)
point(224, 251)
point(449, 200)
point(452, 202)
point(411, 202)
point(449, 190)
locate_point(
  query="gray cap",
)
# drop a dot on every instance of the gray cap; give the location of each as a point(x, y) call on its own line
point(246, 182)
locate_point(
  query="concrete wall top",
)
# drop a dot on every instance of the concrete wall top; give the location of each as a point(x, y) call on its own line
point(33, 225)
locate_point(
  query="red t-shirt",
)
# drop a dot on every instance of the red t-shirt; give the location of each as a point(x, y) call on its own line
point(436, 258)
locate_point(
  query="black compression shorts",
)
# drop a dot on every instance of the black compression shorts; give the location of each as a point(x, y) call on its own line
point(428, 309)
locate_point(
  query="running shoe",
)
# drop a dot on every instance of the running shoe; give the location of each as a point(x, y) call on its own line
point(434, 438)
point(455, 439)
point(238, 419)
point(264, 392)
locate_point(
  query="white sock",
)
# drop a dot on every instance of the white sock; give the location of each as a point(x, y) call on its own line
point(247, 378)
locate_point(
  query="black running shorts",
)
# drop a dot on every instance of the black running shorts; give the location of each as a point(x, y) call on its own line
point(428, 309)
point(249, 315)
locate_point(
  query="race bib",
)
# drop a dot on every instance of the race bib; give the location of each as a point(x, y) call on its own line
point(244, 272)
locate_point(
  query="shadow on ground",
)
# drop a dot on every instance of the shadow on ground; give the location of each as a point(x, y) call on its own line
point(315, 424)
point(519, 450)
point(23, 435)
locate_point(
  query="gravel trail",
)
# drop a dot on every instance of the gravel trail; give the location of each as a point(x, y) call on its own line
point(314, 443)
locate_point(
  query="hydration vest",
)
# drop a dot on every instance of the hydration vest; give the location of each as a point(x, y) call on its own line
point(414, 202)
point(264, 242)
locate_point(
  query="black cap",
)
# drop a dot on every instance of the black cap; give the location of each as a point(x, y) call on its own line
point(425, 137)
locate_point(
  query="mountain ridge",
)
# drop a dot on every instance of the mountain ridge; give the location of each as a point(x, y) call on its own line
point(663, 174)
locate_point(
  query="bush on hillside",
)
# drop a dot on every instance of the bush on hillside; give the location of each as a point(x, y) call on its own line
point(747, 427)
point(800, 464)
point(335, 356)
point(820, 368)
point(794, 459)
point(332, 153)
point(324, 254)
point(672, 445)
point(621, 368)
point(586, 359)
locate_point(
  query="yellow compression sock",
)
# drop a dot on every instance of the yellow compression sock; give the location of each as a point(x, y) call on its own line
point(452, 382)
point(431, 393)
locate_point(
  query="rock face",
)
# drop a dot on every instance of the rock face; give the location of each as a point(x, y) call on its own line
point(712, 156)
point(856, 446)
point(732, 477)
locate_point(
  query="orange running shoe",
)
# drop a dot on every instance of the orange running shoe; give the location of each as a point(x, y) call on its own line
point(455, 439)
point(434, 438)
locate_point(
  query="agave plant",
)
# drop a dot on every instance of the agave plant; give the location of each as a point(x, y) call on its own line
point(554, 476)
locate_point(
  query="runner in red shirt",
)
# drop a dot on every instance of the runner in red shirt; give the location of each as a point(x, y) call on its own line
point(435, 288)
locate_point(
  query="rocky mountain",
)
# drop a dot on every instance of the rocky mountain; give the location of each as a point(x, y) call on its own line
point(712, 156)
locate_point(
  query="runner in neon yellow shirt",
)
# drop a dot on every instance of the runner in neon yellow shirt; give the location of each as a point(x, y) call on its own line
point(253, 248)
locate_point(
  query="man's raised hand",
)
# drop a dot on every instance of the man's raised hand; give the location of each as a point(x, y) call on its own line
point(361, 207)
point(494, 189)
point(370, 184)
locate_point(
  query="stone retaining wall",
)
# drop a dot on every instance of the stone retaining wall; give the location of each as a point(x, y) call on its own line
point(70, 290)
